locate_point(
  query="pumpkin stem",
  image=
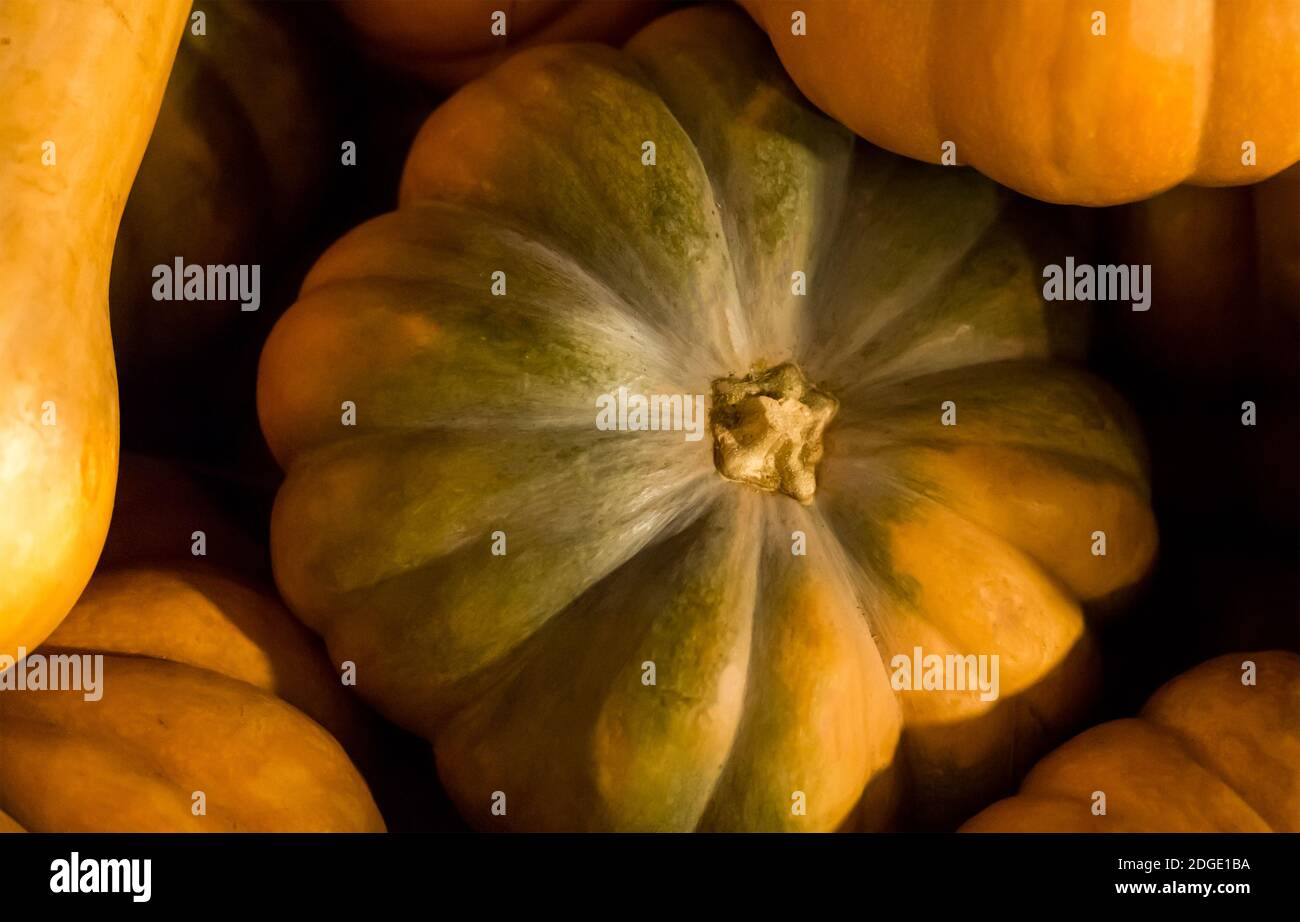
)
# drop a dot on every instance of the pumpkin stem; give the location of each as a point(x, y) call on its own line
point(767, 430)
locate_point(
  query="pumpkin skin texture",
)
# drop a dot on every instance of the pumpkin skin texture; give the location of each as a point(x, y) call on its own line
point(1035, 100)
point(208, 685)
point(450, 42)
point(476, 413)
point(1207, 754)
point(91, 75)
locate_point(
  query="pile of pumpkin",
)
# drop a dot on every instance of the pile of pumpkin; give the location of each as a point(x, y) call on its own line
point(597, 630)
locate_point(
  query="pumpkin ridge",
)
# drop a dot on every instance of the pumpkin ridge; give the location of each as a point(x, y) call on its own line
point(572, 337)
point(844, 243)
point(1195, 732)
point(725, 761)
point(851, 199)
point(869, 586)
point(1093, 469)
point(143, 764)
point(263, 647)
point(106, 742)
point(598, 723)
point(109, 743)
point(329, 619)
point(567, 155)
point(511, 230)
point(1044, 785)
point(315, 742)
point(943, 630)
point(1030, 91)
point(1156, 711)
point(898, 398)
point(912, 493)
point(1214, 76)
point(773, 162)
point(732, 803)
point(1195, 757)
point(688, 482)
point(905, 466)
point(877, 570)
point(1229, 80)
point(942, 331)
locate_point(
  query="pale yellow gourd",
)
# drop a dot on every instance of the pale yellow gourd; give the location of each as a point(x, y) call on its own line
point(83, 80)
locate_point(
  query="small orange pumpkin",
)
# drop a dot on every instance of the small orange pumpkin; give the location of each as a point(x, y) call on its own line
point(1208, 753)
point(1064, 100)
point(208, 687)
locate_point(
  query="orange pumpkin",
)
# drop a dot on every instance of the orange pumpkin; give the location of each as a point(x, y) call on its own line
point(1208, 753)
point(207, 687)
point(208, 684)
point(1047, 98)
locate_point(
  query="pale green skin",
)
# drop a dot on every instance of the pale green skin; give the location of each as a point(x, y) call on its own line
point(476, 413)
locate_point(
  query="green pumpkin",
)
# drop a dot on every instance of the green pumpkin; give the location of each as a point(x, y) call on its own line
point(611, 629)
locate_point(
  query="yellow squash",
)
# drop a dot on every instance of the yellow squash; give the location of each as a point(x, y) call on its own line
point(694, 626)
point(1208, 753)
point(83, 81)
point(207, 686)
point(1049, 99)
